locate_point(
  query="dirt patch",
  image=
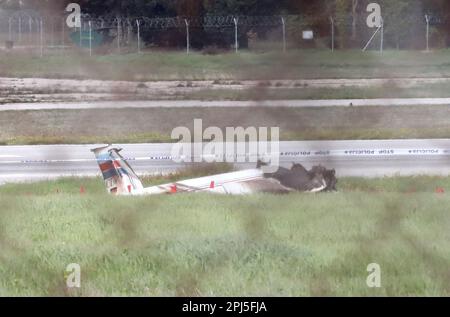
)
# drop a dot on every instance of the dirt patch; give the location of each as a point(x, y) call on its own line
point(65, 90)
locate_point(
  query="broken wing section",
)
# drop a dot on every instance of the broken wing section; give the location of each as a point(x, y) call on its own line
point(119, 177)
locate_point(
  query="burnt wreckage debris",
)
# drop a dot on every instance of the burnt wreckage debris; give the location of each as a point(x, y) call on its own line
point(298, 178)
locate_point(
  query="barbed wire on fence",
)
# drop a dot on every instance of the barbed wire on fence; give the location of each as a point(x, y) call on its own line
point(23, 17)
point(52, 30)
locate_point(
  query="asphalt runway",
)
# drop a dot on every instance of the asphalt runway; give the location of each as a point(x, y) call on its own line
point(395, 102)
point(349, 158)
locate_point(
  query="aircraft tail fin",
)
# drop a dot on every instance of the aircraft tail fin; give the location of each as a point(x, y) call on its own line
point(119, 177)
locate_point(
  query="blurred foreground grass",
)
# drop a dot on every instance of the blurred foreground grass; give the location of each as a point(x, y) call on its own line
point(205, 245)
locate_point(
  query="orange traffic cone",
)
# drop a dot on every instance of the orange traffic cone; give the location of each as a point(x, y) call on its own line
point(440, 190)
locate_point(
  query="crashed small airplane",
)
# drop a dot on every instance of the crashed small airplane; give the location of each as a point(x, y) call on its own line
point(120, 179)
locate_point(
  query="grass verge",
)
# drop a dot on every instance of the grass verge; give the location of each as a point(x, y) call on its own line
point(156, 125)
point(309, 93)
point(203, 245)
point(159, 65)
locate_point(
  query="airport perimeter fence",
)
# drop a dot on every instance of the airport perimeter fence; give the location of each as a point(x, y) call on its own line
point(46, 34)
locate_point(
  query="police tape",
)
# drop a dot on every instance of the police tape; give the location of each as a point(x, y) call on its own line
point(320, 153)
point(368, 153)
point(344, 153)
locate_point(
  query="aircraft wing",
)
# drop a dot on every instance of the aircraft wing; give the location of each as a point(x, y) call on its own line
point(235, 183)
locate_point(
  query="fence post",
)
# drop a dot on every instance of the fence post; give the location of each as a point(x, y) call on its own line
point(427, 19)
point(118, 35)
point(382, 36)
point(20, 30)
point(37, 32)
point(332, 33)
point(81, 37)
point(10, 28)
point(236, 41)
point(81, 29)
point(128, 32)
point(52, 41)
point(63, 34)
point(30, 26)
point(138, 36)
point(90, 38)
point(42, 37)
point(188, 41)
point(283, 22)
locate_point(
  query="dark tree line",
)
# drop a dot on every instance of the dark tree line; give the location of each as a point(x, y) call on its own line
point(404, 19)
point(220, 7)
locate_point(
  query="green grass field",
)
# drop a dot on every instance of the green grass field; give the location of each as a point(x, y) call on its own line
point(158, 65)
point(156, 124)
point(386, 91)
point(203, 245)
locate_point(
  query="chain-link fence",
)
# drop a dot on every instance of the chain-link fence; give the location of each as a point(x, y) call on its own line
point(45, 34)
